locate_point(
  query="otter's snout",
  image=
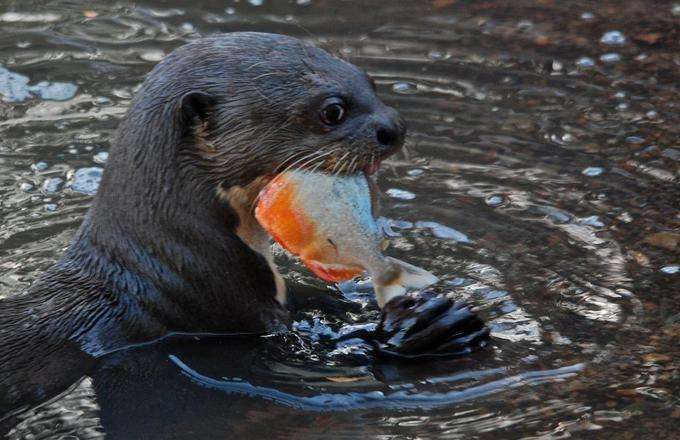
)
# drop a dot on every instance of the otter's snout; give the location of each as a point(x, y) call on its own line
point(390, 131)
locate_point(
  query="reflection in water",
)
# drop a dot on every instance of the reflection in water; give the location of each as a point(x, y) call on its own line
point(539, 183)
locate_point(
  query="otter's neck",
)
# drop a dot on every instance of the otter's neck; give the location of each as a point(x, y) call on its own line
point(159, 220)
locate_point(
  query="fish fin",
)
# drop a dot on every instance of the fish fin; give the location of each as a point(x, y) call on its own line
point(332, 272)
point(408, 277)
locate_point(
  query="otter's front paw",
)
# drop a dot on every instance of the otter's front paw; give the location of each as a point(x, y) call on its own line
point(429, 325)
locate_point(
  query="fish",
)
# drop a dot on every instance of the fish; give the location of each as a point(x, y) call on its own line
point(328, 222)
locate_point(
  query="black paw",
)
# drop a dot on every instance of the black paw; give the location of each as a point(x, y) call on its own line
point(428, 325)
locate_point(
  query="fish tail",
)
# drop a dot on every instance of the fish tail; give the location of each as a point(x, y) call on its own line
point(399, 279)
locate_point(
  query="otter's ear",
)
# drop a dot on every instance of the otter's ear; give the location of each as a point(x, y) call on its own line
point(193, 105)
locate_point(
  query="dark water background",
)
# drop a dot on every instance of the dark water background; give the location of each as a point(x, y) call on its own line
point(548, 142)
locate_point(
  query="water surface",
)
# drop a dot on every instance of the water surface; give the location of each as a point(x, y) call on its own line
point(540, 182)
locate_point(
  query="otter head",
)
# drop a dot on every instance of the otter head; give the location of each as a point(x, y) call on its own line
point(262, 103)
point(212, 123)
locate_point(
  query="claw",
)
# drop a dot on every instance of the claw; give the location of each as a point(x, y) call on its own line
point(429, 326)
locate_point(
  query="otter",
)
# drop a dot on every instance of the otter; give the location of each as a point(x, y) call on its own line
point(170, 243)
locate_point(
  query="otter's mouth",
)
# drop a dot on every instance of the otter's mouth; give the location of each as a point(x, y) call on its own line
point(336, 164)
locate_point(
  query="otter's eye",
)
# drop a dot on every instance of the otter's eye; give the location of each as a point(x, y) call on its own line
point(333, 111)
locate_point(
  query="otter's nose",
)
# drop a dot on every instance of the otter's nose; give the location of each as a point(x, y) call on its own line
point(390, 131)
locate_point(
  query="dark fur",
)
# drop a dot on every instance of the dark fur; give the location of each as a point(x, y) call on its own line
point(158, 251)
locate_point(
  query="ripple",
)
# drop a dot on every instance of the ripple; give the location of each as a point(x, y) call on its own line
point(507, 113)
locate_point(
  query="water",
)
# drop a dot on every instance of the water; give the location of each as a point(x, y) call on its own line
point(535, 131)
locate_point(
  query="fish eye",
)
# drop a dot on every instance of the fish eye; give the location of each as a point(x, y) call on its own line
point(333, 111)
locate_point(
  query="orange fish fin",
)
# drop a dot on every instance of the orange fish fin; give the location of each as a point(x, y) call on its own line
point(333, 272)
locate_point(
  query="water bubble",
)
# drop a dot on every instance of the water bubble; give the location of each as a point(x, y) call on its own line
point(72, 151)
point(101, 157)
point(525, 25)
point(558, 216)
point(303, 2)
point(652, 114)
point(670, 270)
point(404, 87)
point(610, 58)
point(386, 226)
point(530, 359)
point(494, 294)
point(13, 86)
point(230, 11)
point(622, 106)
point(592, 171)
point(52, 184)
point(57, 91)
point(650, 150)
point(635, 139)
point(671, 153)
point(494, 200)
point(256, 2)
point(401, 224)
point(153, 55)
point(445, 232)
point(354, 286)
point(613, 38)
point(508, 307)
point(28, 17)
point(39, 166)
point(172, 12)
point(122, 93)
point(400, 194)
point(415, 172)
point(587, 16)
point(26, 187)
point(675, 10)
point(102, 100)
point(51, 207)
point(86, 180)
point(585, 62)
point(437, 55)
point(625, 217)
point(188, 27)
point(624, 292)
point(593, 220)
point(458, 282)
